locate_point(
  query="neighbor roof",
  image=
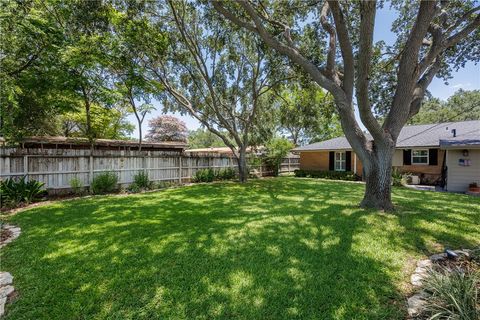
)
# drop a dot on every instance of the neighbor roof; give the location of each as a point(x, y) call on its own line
point(48, 141)
point(423, 135)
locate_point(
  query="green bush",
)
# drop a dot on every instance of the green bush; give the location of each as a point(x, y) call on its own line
point(397, 178)
point(142, 181)
point(452, 294)
point(334, 175)
point(16, 191)
point(277, 149)
point(77, 186)
point(225, 174)
point(106, 182)
point(204, 175)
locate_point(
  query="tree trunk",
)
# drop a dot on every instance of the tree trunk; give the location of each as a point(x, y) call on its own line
point(242, 165)
point(378, 176)
point(139, 135)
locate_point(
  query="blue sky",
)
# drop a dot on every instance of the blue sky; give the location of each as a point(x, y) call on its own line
point(467, 78)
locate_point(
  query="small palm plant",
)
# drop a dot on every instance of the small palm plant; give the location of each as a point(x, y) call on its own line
point(452, 294)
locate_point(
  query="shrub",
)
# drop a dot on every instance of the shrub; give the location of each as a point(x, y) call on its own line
point(204, 175)
point(397, 178)
point(16, 191)
point(77, 186)
point(334, 175)
point(142, 181)
point(277, 149)
point(106, 182)
point(452, 294)
point(225, 174)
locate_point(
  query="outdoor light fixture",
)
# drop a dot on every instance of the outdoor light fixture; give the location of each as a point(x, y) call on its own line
point(465, 153)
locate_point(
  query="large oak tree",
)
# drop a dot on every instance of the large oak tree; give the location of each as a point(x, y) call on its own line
point(432, 36)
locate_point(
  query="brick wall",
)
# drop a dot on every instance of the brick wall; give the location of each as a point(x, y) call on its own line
point(319, 160)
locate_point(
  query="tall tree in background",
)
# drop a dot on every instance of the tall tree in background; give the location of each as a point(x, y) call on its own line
point(202, 138)
point(34, 86)
point(219, 77)
point(306, 113)
point(129, 25)
point(106, 123)
point(461, 106)
point(432, 37)
point(166, 128)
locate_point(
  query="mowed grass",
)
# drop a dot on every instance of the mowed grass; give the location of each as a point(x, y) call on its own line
point(284, 248)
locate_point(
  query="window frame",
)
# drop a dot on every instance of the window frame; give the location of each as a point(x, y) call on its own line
point(343, 159)
point(417, 156)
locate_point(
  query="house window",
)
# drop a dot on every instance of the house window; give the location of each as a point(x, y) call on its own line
point(420, 156)
point(340, 163)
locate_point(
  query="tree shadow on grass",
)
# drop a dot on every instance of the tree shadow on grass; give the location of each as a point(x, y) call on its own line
point(284, 248)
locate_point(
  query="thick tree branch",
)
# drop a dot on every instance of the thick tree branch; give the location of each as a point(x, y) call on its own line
point(421, 87)
point(407, 73)
point(367, 22)
point(332, 39)
point(346, 49)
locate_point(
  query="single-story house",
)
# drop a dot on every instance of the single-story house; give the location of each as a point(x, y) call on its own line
point(446, 154)
point(225, 151)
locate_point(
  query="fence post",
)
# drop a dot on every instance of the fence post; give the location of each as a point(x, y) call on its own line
point(90, 173)
point(189, 162)
point(180, 169)
point(25, 167)
point(288, 164)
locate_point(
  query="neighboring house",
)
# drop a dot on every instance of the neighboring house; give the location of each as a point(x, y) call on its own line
point(226, 151)
point(446, 154)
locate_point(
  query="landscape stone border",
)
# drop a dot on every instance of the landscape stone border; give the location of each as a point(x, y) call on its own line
point(416, 303)
point(6, 279)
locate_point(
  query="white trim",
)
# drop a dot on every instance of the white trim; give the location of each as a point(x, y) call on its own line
point(420, 163)
point(342, 160)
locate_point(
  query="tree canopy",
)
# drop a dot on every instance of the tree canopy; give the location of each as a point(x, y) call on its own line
point(461, 106)
point(166, 128)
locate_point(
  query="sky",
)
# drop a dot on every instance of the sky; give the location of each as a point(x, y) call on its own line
point(467, 78)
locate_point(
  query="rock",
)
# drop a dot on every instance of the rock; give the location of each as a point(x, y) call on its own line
point(417, 278)
point(463, 253)
point(438, 257)
point(415, 304)
point(5, 278)
point(2, 305)
point(421, 271)
point(424, 263)
point(6, 291)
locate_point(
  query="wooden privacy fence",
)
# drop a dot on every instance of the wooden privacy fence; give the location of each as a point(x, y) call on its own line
point(57, 167)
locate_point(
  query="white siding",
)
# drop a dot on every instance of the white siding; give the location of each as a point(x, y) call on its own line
point(397, 160)
point(459, 177)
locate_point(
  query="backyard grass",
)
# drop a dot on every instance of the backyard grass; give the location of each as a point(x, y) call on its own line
point(285, 248)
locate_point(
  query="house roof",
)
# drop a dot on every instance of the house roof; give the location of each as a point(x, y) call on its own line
point(221, 150)
point(47, 141)
point(423, 135)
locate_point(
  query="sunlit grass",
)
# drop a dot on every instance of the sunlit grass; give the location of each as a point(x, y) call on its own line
point(282, 248)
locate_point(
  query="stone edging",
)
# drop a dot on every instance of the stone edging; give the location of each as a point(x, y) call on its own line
point(6, 279)
point(416, 302)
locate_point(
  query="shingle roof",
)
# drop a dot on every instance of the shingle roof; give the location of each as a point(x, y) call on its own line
point(423, 135)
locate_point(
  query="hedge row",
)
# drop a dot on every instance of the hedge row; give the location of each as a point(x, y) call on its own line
point(334, 175)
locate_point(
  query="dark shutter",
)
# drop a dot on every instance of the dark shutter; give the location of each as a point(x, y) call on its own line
point(433, 157)
point(407, 157)
point(348, 161)
point(331, 161)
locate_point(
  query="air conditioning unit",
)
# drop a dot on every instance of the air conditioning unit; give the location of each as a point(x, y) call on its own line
point(415, 179)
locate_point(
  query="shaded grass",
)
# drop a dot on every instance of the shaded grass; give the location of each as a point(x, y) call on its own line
point(270, 249)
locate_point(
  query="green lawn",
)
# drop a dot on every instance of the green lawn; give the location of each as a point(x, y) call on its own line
point(285, 248)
